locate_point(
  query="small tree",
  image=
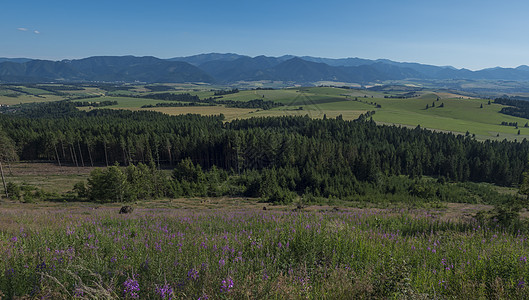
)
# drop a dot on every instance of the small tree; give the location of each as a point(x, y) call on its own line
point(186, 170)
point(108, 185)
point(524, 187)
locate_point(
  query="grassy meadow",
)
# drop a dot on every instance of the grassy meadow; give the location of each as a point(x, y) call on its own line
point(89, 252)
point(460, 113)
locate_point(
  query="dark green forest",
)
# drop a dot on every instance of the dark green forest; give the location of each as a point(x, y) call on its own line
point(518, 107)
point(276, 157)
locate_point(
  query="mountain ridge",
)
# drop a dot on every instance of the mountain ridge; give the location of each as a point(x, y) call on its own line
point(230, 67)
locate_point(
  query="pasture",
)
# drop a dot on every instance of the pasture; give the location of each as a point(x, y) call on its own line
point(459, 114)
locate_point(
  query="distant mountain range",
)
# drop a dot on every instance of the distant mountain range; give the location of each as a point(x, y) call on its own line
point(230, 68)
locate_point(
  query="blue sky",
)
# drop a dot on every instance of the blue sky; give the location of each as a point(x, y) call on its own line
point(470, 34)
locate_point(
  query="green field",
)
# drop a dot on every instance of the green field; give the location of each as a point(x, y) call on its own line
point(457, 115)
point(460, 114)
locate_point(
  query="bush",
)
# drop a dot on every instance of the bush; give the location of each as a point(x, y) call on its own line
point(81, 190)
point(14, 190)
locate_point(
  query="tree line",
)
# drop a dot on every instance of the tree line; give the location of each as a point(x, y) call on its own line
point(516, 107)
point(325, 152)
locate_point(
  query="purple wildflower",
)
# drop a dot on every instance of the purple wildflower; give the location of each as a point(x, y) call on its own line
point(192, 274)
point(78, 292)
point(41, 267)
point(165, 292)
point(227, 285)
point(265, 276)
point(521, 283)
point(131, 288)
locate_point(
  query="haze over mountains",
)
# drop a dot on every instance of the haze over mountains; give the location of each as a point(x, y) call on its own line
point(229, 68)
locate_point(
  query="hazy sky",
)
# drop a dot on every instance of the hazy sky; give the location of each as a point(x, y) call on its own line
point(464, 33)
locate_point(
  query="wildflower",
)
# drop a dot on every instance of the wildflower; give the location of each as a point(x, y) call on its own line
point(442, 283)
point(521, 283)
point(41, 266)
point(222, 262)
point(78, 292)
point(265, 276)
point(192, 274)
point(227, 285)
point(165, 292)
point(10, 272)
point(131, 288)
point(14, 239)
point(70, 231)
point(523, 259)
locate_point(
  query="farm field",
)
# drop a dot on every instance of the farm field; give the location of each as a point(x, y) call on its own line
point(242, 251)
point(459, 114)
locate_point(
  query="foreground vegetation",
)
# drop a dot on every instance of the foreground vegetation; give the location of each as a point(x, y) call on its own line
point(169, 254)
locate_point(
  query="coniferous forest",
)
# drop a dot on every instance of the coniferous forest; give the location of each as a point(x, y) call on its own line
point(278, 158)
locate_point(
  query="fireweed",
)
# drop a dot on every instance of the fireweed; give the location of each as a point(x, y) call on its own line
point(170, 254)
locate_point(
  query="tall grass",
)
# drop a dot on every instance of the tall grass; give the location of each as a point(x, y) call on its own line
point(168, 254)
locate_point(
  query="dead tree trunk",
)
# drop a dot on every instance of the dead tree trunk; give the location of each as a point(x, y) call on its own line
point(4, 180)
point(57, 155)
point(106, 155)
point(170, 155)
point(74, 157)
point(90, 155)
point(80, 153)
